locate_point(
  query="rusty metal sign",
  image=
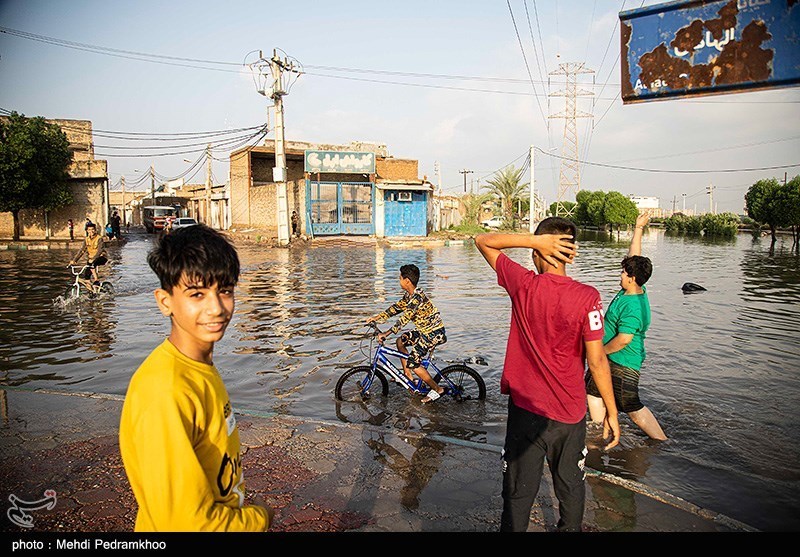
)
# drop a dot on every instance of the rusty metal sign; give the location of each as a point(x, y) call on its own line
point(700, 47)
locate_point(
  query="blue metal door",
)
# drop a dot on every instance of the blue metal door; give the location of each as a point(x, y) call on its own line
point(340, 208)
point(406, 213)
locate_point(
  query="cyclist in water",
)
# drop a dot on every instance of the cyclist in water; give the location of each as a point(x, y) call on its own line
point(415, 306)
point(94, 252)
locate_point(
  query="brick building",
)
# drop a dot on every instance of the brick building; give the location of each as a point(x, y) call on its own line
point(354, 189)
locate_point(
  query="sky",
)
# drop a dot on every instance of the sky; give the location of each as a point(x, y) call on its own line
point(444, 82)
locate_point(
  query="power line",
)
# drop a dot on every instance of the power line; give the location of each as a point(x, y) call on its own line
point(170, 60)
point(527, 67)
point(668, 171)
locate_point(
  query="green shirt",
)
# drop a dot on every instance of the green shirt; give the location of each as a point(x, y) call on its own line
point(628, 313)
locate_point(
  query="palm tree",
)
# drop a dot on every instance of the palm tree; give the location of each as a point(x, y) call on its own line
point(505, 184)
point(472, 206)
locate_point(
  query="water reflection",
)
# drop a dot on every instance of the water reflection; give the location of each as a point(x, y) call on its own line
point(416, 471)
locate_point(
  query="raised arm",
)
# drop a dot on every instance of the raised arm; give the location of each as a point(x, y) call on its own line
point(551, 247)
point(636, 241)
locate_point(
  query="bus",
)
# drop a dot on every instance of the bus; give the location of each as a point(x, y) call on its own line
point(154, 216)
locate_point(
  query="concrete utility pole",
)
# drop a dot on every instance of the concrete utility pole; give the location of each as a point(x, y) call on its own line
point(209, 220)
point(532, 208)
point(279, 171)
point(570, 177)
point(124, 218)
point(465, 172)
point(683, 195)
point(280, 71)
point(710, 189)
point(152, 186)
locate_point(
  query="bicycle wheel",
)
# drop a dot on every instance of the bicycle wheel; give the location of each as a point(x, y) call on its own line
point(106, 288)
point(469, 385)
point(71, 293)
point(350, 386)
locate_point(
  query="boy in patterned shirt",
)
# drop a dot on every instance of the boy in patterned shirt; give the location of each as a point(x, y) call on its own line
point(415, 306)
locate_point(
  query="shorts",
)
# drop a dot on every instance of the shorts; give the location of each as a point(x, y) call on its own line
point(87, 272)
point(625, 382)
point(420, 344)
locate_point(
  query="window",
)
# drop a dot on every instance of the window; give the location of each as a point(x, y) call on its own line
point(404, 196)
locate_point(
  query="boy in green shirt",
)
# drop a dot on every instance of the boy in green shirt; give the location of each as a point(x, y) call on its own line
point(625, 322)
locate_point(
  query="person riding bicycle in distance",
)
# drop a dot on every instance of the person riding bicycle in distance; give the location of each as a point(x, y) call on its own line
point(415, 306)
point(95, 252)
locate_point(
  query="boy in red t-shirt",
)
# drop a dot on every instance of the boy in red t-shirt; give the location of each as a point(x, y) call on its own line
point(556, 328)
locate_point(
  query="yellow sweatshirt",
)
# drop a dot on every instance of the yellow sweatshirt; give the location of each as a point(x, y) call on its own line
point(180, 447)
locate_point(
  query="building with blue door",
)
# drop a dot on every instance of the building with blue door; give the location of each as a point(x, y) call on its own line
point(356, 189)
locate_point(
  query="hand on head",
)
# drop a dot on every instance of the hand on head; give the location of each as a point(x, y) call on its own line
point(557, 247)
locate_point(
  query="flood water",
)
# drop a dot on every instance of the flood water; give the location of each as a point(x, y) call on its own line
point(721, 373)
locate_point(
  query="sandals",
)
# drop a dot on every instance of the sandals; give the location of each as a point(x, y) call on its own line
point(431, 396)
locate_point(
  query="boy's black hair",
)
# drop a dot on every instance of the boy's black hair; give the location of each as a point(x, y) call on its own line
point(638, 267)
point(200, 252)
point(411, 272)
point(90, 224)
point(557, 225)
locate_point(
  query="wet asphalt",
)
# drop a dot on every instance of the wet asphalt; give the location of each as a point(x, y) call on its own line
point(319, 477)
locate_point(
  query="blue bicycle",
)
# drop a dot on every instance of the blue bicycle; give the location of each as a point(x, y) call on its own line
point(460, 382)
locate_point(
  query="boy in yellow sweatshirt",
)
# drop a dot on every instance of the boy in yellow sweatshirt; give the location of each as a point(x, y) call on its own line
point(178, 435)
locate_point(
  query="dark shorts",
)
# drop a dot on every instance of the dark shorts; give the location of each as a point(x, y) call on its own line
point(626, 387)
point(419, 344)
point(87, 272)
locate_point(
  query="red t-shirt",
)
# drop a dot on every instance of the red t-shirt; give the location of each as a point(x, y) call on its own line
point(551, 317)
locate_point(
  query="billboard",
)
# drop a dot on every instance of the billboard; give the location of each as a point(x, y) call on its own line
point(340, 162)
point(700, 47)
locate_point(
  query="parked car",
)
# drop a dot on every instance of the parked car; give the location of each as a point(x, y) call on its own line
point(494, 222)
point(183, 222)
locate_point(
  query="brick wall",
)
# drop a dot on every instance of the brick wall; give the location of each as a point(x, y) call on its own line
point(397, 169)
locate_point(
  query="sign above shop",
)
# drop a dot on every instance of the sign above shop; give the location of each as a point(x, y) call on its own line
point(340, 162)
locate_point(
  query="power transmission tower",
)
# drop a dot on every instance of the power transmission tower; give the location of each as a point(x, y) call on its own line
point(569, 182)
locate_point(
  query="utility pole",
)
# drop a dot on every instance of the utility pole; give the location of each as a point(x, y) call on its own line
point(279, 171)
point(532, 208)
point(683, 195)
point(465, 172)
point(710, 189)
point(674, 202)
point(152, 186)
point(209, 221)
point(124, 218)
point(280, 71)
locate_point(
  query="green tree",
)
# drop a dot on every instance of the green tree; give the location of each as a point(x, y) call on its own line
point(34, 164)
point(723, 225)
point(569, 207)
point(595, 208)
point(619, 210)
point(581, 213)
point(788, 207)
point(762, 201)
point(506, 185)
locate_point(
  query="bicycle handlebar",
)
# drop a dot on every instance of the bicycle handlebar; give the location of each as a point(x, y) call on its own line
point(82, 268)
